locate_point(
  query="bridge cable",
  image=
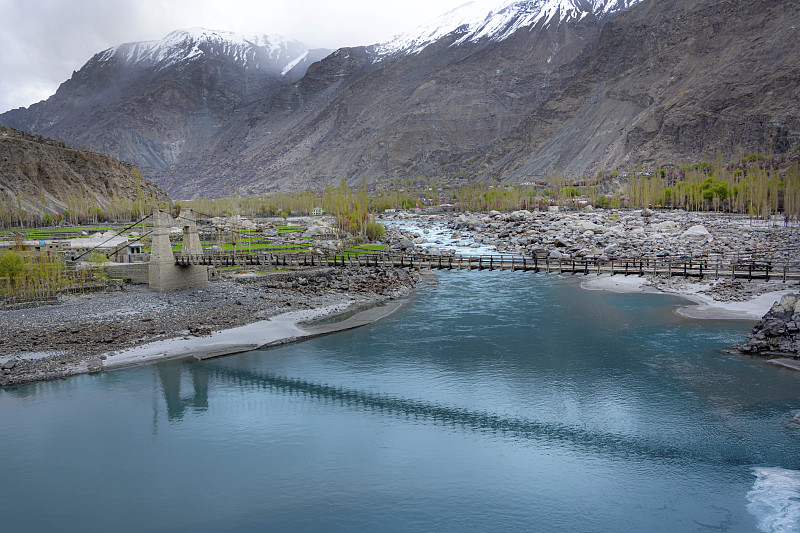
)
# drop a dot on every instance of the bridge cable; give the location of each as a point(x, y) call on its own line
point(118, 233)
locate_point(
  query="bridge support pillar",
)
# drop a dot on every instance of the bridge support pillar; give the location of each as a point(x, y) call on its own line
point(191, 239)
point(163, 274)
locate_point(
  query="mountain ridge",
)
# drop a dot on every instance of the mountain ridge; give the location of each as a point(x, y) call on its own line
point(41, 176)
point(488, 19)
point(271, 52)
point(152, 101)
point(611, 84)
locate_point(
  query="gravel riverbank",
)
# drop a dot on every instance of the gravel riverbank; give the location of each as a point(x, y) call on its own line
point(78, 334)
point(606, 234)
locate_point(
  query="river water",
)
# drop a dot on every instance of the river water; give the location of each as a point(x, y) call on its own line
point(495, 401)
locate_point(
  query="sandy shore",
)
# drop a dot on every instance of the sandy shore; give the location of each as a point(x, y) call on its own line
point(704, 305)
point(280, 329)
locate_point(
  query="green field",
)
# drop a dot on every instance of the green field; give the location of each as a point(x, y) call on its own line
point(55, 233)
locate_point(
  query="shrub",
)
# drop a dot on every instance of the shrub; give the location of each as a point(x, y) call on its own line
point(97, 263)
point(375, 231)
point(11, 264)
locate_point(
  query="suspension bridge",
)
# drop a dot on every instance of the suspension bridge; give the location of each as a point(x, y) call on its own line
point(186, 268)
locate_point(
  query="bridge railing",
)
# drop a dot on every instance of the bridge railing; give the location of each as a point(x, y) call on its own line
point(700, 267)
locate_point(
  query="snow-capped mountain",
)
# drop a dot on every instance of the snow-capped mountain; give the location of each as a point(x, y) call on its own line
point(497, 20)
point(271, 53)
point(151, 101)
point(506, 90)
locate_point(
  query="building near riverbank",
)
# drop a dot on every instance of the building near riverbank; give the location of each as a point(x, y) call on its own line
point(33, 245)
point(118, 248)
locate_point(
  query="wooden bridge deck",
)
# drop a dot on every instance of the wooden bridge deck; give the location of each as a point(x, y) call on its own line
point(667, 267)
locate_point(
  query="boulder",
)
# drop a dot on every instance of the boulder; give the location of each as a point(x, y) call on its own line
point(697, 233)
point(590, 226)
point(517, 216)
point(318, 227)
point(787, 306)
point(666, 225)
point(465, 221)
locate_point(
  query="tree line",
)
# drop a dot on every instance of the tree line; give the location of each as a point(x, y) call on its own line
point(754, 185)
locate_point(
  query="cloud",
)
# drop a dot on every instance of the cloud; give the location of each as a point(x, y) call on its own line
point(44, 41)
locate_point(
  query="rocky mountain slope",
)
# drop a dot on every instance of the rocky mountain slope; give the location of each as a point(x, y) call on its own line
point(410, 107)
point(669, 83)
point(43, 176)
point(152, 102)
point(496, 89)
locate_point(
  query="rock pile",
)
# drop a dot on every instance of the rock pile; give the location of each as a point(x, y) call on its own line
point(778, 332)
point(382, 281)
point(400, 240)
point(616, 234)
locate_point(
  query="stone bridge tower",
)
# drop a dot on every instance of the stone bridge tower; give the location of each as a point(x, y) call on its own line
point(163, 274)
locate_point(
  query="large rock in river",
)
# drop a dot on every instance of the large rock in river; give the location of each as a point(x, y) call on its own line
point(778, 332)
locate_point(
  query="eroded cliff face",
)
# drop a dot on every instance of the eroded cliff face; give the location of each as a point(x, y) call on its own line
point(41, 176)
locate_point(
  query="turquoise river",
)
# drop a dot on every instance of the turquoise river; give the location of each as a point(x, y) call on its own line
point(495, 401)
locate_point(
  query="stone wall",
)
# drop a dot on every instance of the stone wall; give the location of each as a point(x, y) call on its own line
point(131, 272)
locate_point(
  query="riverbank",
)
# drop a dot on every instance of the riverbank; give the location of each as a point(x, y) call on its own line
point(281, 329)
point(717, 299)
point(92, 333)
point(605, 235)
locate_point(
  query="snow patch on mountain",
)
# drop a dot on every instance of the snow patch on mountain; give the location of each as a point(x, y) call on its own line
point(497, 20)
point(181, 46)
point(293, 64)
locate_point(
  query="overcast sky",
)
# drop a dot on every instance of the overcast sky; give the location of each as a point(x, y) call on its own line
point(43, 41)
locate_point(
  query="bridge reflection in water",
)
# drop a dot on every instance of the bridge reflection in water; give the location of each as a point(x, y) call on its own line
point(422, 411)
point(170, 376)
